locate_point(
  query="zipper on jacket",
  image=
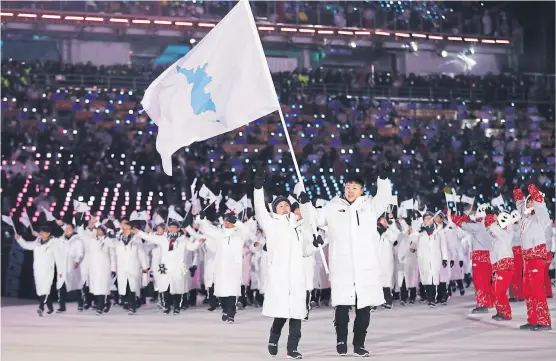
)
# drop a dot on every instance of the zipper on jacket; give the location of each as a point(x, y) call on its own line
point(357, 214)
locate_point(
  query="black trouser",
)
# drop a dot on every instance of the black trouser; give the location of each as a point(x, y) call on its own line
point(130, 298)
point(213, 300)
point(360, 325)
point(100, 302)
point(387, 295)
point(315, 296)
point(259, 297)
point(404, 291)
point(325, 294)
point(430, 293)
point(294, 333)
point(229, 306)
point(249, 294)
point(87, 296)
point(422, 291)
point(242, 299)
point(193, 297)
point(459, 283)
point(442, 295)
point(63, 297)
point(171, 300)
point(45, 300)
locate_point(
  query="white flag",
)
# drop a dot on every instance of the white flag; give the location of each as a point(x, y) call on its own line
point(157, 219)
point(233, 206)
point(207, 194)
point(49, 216)
point(25, 220)
point(468, 200)
point(394, 200)
point(298, 188)
point(80, 207)
point(449, 197)
point(9, 221)
point(404, 206)
point(139, 216)
point(187, 206)
point(498, 201)
point(292, 199)
point(172, 214)
point(217, 202)
point(220, 85)
point(193, 185)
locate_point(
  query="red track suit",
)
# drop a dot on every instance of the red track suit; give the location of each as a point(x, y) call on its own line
point(502, 260)
point(480, 258)
point(535, 228)
point(516, 286)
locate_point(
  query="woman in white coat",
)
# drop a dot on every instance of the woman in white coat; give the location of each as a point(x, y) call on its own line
point(43, 266)
point(131, 263)
point(259, 268)
point(285, 290)
point(172, 270)
point(432, 253)
point(408, 275)
point(443, 233)
point(69, 254)
point(229, 241)
point(102, 264)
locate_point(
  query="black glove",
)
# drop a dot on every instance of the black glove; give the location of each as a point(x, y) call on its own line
point(395, 243)
point(188, 221)
point(461, 263)
point(303, 198)
point(146, 270)
point(459, 208)
point(113, 274)
point(192, 270)
point(260, 174)
point(444, 263)
point(385, 171)
point(202, 214)
point(317, 240)
point(422, 229)
point(489, 210)
point(452, 264)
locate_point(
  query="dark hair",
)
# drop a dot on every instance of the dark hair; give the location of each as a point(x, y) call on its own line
point(355, 179)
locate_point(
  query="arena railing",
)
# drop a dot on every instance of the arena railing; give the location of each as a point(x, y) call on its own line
point(416, 94)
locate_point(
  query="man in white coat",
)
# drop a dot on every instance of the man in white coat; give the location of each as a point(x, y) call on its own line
point(308, 262)
point(69, 253)
point(102, 264)
point(354, 255)
point(229, 242)
point(432, 253)
point(131, 262)
point(285, 290)
point(43, 266)
point(172, 270)
point(446, 271)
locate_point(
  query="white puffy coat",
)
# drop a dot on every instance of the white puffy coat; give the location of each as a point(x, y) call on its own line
point(102, 262)
point(257, 280)
point(285, 289)
point(431, 251)
point(445, 272)
point(172, 270)
point(67, 253)
point(354, 246)
point(386, 255)
point(43, 263)
point(228, 243)
point(454, 238)
point(131, 260)
point(407, 257)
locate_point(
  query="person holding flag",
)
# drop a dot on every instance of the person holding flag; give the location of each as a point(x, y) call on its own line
point(285, 290)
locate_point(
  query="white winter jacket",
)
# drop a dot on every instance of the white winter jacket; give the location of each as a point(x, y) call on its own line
point(43, 263)
point(101, 257)
point(431, 251)
point(285, 285)
point(354, 246)
point(68, 253)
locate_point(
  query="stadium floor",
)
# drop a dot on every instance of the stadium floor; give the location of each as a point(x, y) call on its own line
point(411, 333)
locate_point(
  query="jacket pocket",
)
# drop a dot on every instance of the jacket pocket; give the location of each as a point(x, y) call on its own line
point(357, 215)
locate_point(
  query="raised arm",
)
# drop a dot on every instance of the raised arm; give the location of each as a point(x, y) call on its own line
point(209, 230)
point(28, 246)
point(262, 215)
point(151, 238)
point(381, 200)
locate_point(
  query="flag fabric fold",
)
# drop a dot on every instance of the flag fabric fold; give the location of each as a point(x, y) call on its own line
point(222, 84)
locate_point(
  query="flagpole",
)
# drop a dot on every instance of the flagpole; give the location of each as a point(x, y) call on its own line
point(324, 263)
point(271, 85)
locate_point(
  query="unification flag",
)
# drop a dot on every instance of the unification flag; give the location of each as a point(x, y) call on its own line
point(222, 84)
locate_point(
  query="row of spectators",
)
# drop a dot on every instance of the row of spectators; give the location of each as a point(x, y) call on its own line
point(102, 138)
point(437, 16)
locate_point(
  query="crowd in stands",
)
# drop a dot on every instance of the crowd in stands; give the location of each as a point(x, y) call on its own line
point(437, 16)
point(61, 142)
